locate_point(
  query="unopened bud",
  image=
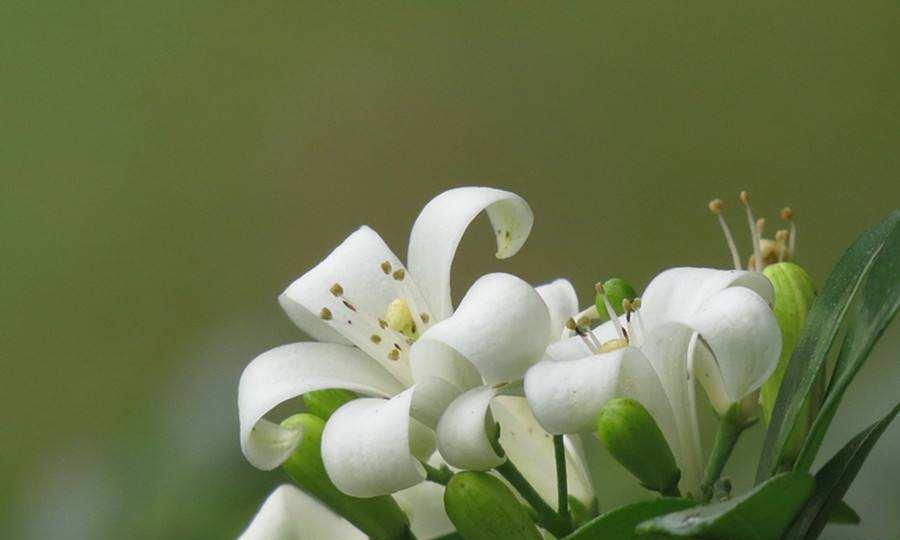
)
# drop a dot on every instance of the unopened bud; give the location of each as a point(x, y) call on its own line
point(483, 508)
point(633, 438)
point(323, 403)
point(794, 295)
point(616, 290)
point(379, 517)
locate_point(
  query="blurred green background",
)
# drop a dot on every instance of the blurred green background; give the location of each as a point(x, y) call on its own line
point(166, 168)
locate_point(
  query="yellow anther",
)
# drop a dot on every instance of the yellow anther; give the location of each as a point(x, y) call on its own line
point(394, 354)
point(787, 213)
point(386, 267)
point(399, 274)
point(376, 339)
point(716, 206)
point(325, 314)
point(336, 289)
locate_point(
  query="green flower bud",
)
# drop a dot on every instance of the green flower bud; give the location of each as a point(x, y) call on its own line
point(616, 289)
point(631, 436)
point(794, 295)
point(323, 403)
point(379, 517)
point(483, 508)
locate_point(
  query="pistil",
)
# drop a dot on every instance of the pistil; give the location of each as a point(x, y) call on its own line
point(754, 234)
point(610, 311)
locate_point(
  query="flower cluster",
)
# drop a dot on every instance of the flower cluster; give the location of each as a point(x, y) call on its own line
point(408, 390)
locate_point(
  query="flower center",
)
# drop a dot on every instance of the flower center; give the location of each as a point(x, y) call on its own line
point(389, 335)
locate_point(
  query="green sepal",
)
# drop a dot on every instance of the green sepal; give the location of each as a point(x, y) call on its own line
point(761, 514)
point(632, 437)
point(379, 517)
point(483, 508)
point(323, 403)
point(617, 289)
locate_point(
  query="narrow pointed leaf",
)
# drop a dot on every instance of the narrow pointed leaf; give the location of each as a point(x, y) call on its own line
point(762, 514)
point(835, 477)
point(844, 514)
point(619, 523)
point(870, 316)
point(819, 333)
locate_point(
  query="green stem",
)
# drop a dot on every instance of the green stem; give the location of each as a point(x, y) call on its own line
point(730, 428)
point(439, 476)
point(562, 482)
point(547, 517)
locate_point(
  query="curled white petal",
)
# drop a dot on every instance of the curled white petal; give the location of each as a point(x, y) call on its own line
point(463, 434)
point(290, 514)
point(566, 395)
point(501, 327)
point(289, 371)
point(440, 226)
point(743, 334)
point(675, 294)
point(372, 446)
point(366, 291)
point(562, 302)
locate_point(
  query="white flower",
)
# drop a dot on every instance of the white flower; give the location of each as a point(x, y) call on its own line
point(385, 331)
point(693, 323)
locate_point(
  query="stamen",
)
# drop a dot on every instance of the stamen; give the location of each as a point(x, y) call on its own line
point(716, 206)
point(638, 322)
point(787, 214)
point(336, 290)
point(781, 239)
point(610, 311)
point(325, 314)
point(376, 339)
point(628, 307)
point(754, 235)
point(394, 355)
point(399, 274)
point(572, 326)
point(386, 267)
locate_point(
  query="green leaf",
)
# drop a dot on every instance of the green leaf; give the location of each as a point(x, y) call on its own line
point(821, 329)
point(762, 514)
point(835, 477)
point(843, 514)
point(877, 306)
point(619, 523)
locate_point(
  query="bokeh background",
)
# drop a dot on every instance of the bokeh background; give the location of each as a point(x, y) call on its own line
point(167, 168)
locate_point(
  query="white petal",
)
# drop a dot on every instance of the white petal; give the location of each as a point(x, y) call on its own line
point(370, 446)
point(462, 432)
point(744, 336)
point(566, 395)
point(562, 303)
point(675, 294)
point(430, 359)
point(501, 327)
point(289, 371)
point(355, 265)
point(290, 514)
point(440, 226)
point(666, 347)
point(530, 448)
point(424, 505)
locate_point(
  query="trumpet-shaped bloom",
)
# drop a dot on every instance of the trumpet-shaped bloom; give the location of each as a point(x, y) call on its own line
point(385, 331)
point(694, 323)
